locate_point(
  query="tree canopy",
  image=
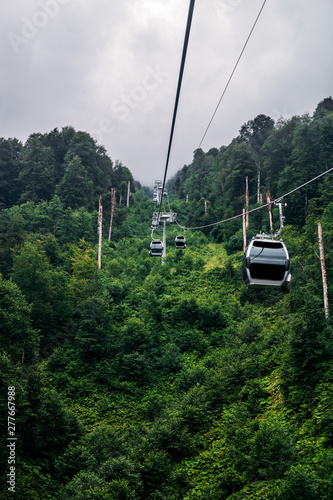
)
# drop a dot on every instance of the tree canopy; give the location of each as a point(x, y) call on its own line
point(166, 382)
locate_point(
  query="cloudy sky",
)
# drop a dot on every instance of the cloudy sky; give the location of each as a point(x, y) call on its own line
point(110, 67)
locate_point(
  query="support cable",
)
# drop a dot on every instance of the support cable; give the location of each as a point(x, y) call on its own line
point(277, 200)
point(180, 78)
point(232, 73)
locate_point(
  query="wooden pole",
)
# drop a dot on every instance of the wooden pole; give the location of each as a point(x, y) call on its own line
point(258, 185)
point(128, 193)
point(268, 198)
point(206, 211)
point(323, 268)
point(113, 202)
point(247, 201)
point(100, 220)
point(244, 230)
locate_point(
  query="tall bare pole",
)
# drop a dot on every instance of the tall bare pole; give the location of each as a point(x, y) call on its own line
point(258, 186)
point(244, 230)
point(323, 268)
point(100, 220)
point(268, 198)
point(113, 202)
point(247, 201)
point(128, 193)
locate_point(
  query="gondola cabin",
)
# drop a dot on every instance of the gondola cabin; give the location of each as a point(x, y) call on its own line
point(180, 241)
point(266, 264)
point(156, 248)
point(154, 224)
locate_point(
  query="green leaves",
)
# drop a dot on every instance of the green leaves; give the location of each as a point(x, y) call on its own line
point(18, 338)
point(189, 386)
point(75, 189)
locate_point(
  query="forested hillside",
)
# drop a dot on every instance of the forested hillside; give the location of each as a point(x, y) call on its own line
point(173, 381)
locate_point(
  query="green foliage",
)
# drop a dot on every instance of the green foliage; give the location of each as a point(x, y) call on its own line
point(299, 482)
point(36, 175)
point(75, 189)
point(10, 151)
point(18, 339)
point(32, 484)
point(75, 459)
point(166, 382)
point(46, 289)
point(51, 425)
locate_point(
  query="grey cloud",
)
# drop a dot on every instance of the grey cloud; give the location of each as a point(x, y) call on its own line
point(84, 63)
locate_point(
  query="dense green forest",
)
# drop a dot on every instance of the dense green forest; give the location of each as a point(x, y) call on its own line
point(143, 380)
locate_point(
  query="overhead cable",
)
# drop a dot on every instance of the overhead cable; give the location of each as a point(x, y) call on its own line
point(232, 73)
point(180, 78)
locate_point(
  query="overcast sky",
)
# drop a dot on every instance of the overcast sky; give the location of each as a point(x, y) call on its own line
point(110, 67)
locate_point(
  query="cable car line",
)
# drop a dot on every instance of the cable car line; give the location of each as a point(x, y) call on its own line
point(232, 73)
point(272, 268)
point(181, 72)
point(261, 206)
point(180, 78)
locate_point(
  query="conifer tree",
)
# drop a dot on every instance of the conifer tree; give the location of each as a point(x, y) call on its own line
point(75, 189)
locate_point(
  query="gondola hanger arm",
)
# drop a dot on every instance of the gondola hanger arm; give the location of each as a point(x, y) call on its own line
point(282, 219)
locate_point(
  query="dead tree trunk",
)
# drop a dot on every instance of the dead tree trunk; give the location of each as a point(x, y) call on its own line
point(323, 268)
point(100, 221)
point(258, 183)
point(268, 198)
point(244, 230)
point(113, 202)
point(128, 193)
point(247, 201)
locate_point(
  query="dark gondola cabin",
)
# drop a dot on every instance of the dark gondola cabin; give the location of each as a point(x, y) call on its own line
point(180, 241)
point(156, 248)
point(266, 264)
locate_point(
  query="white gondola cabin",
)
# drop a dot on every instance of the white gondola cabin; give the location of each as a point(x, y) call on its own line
point(156, 248)
point(180, 241)
point(266, 264)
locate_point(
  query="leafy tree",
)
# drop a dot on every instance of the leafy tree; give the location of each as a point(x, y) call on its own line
point(278, 150)
point(10, 151)
point(59, 141)
point(325, 106)
point(75, 189)
point(299, 482)
point(236, 164)
point(12, 235)
point(18, 339)
point(84, 271)
point(95, 161)
point(256, 132)
point(45, 289)
point(85, 486)
point(10, 377)
point(76, 458)
point(36, 177)
point(53, 428)
point(94, 327)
